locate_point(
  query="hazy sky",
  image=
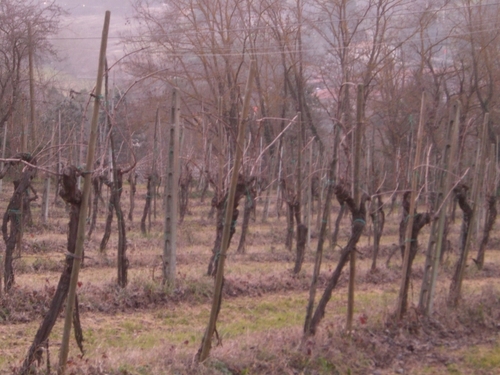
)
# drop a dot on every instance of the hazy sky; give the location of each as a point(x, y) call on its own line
point(79, 41)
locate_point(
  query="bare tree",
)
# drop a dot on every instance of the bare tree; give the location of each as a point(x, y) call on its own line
point(16, 18)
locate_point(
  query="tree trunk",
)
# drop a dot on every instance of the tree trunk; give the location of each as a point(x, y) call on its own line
point(184, 185)
point(289, 226)
point(122, 234)
point(301, 247)
point(249, 206)
point(15, 214)
point(378, 219)
point(273, 166)
point(297, 206)
point(457, 280)
point(336, 230)
point(241, 188)
point(419, 221)
point(132, 179)
point(321, 241)
point(357, 226)
point(488, 226)
point(147, 207)
point(301, 239)
point(461, 195)
point(96, 185)
point(204, 190)
point(45, 199)
point(109, 219)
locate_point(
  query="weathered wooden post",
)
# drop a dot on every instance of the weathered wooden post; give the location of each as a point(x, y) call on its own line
point(206, 344)
point(63, 355)
point(357, 198)
point(437, 234)
point(171, 194)
point(409, 225)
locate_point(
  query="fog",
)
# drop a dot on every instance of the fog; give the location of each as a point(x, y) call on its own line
point(79, 39)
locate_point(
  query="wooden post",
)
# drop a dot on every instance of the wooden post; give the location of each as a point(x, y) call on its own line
point(426, 178)
point(24, 148)
point(154, 167)
point(309, 194)
point(171, 194)
point(216, 302)
point(220, 128)
point(490, 214)
point(115, 191)
point(413, 196)
point(300, 141)
point(4, 146)
point(46, 192)
point(357, 199)
point(331, 176)
point(259, 175)
point(24, 131)
point(297, 204)
point(270, 186)
point(63, 355)
point(32, 88)
point(436, 239)
point(278, 189)
point(58, 166)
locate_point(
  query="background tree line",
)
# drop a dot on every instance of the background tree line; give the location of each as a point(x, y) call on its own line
point(355, 99)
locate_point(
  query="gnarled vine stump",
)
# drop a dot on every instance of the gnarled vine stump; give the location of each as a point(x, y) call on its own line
point(70, 193)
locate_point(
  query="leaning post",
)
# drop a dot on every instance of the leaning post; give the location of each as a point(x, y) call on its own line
point(219, 277)
point(63, 355)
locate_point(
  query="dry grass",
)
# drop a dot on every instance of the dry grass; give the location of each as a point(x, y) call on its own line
point(151, 329)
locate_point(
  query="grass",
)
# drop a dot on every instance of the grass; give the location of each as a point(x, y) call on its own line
point(484, 357)
point(149, 328)
point(246, 316)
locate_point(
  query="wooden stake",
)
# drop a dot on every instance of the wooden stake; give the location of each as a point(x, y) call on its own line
point(171, 194)
point(4, 146)
point(46, 192)
point(309, 194)
point(300, 142)
point(357, 198)
point(24, 131)
point(220, 174)
point(278, 189)
point(63, 355)
point(411, 214)
point(58, 166)
point(32, 88)
point(322, 233)
point(436, 239)
point(216, 302)
point(154, 169)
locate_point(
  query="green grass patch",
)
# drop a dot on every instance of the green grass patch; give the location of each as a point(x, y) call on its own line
point(248, 315)
point(452, 369)
point(484, 357)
